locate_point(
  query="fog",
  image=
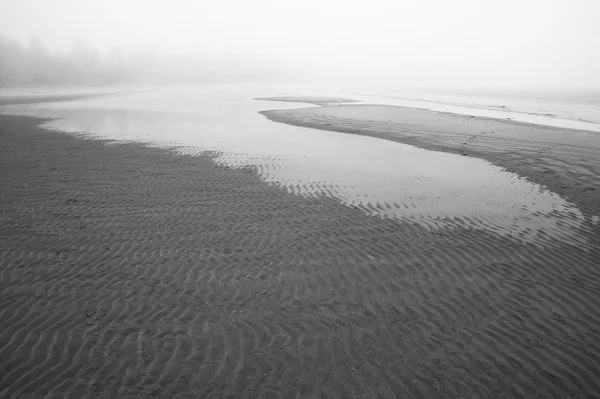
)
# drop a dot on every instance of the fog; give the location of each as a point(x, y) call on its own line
point(413, 43)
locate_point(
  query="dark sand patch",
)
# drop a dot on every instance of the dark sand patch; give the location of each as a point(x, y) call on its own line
point(126, 270)
point(309, 100)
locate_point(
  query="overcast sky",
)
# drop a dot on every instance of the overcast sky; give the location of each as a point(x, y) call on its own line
point(531, 43)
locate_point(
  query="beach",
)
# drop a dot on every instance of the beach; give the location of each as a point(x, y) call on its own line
point(130, 270)
point(564, 160)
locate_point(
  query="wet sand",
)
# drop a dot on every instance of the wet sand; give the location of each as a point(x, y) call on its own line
point(128, 271)
point(38, 98)
point(565, 161)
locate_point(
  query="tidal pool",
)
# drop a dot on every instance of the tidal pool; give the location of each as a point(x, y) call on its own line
point(434, 189)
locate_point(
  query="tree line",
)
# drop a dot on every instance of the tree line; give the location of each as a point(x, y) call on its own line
point(34, 64)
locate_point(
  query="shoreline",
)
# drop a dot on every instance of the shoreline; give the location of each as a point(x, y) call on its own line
point(565, 161)
point(314, 100)
point(44, 98)
point(127, 270)
point(484, 112)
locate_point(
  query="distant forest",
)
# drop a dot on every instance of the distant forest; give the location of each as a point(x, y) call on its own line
point(81, 65)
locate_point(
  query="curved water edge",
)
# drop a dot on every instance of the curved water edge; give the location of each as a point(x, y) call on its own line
point(497, 112)
point(387, 179)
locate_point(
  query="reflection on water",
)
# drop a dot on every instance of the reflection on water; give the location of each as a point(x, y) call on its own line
point(436, 190)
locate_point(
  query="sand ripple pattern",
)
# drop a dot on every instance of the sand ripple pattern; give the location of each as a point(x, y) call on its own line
point(126, 271)
point(566, 162)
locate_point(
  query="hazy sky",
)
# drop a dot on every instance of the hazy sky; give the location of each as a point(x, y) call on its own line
point(533, 43)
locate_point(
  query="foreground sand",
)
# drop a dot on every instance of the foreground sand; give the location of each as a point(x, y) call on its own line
point(127, 271)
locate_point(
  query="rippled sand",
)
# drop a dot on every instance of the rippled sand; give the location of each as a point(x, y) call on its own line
point(381, 177)
point(565, 161)
point(128, 270)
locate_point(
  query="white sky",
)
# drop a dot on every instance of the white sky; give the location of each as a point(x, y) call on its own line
point(537, 43)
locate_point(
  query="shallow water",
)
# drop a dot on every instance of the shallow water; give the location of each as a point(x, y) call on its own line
point(569, 110)
point(433, 189)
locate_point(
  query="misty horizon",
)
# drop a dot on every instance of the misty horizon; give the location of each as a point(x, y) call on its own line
point(429, 45)
point(294, 199)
